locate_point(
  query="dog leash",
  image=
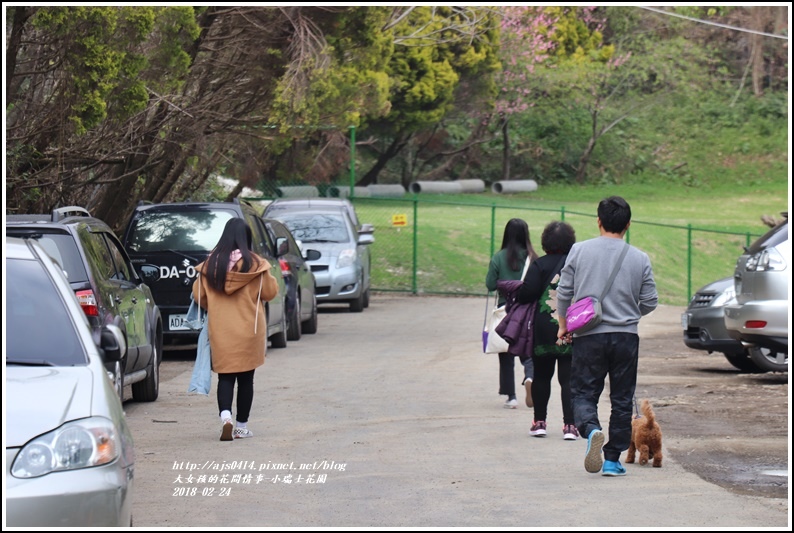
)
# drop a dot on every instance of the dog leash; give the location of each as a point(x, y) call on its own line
point(636, 409)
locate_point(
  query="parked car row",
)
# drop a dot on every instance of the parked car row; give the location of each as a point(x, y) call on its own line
point(108, 288)
point(89, 313)
point(745, 317)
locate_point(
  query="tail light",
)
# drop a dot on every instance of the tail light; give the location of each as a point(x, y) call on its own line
point(285, 271)
point(88, 302)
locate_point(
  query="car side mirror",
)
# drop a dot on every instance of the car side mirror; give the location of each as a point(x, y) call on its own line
point(111, 344)
point(366, 238)
point(149, 273)
point(282, 246)
point(311, 255)
point(367, 228)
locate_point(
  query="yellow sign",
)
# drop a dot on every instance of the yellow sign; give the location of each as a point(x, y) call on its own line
point(399, 220)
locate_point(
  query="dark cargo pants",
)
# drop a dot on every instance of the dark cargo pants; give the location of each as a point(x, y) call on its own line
point(594, 358)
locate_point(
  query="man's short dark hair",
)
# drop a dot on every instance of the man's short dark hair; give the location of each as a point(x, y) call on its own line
point(615, 214)
point(557, 238)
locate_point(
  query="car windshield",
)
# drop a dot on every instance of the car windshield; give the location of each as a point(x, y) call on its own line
point(39, 330)
point(316, 227)
point(183, 230)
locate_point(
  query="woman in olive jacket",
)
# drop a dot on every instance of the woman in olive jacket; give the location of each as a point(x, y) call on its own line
point(232, 285)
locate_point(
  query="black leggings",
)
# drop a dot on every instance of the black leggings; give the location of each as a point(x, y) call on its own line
point(541, 386)
point(245, 393)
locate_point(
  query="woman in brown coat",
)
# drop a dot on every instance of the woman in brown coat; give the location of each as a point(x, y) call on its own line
point(232, 285)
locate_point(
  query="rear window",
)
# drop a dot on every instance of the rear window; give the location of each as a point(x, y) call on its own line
point(772, 237)
point(39, 329)
point(61, 247)
point(184, 230)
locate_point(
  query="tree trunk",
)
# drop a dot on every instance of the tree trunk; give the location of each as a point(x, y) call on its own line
point(581, 171)
point(371, 177)
point(505, 151)
point(757, 49)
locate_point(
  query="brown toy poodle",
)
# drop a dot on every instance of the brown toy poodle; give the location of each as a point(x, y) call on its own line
point(646, 437)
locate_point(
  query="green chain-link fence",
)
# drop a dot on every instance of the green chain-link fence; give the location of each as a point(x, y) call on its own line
point(436, 246)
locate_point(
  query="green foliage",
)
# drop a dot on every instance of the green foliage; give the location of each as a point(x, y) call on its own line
point(168, 62)
point(574, 40)
point(98, 47)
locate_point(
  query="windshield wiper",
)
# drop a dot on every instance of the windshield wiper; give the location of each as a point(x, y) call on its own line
point(29, 362)
point(182, 254)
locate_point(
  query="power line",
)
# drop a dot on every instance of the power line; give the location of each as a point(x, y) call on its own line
point(713, 23)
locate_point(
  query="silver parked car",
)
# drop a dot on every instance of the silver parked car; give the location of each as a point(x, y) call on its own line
point(760, 316)
point(69, 452)
point(703, 323)
point(342, 270)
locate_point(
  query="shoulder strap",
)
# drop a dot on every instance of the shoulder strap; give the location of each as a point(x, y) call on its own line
point(526, 267)
point(556, 268)
point(615, 270)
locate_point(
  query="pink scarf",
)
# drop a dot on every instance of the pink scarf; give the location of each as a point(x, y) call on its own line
point(233, 258)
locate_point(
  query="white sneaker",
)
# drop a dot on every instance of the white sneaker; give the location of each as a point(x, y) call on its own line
point(528, 388)
point(511, 404)
point(242, 433)
point(226, 429)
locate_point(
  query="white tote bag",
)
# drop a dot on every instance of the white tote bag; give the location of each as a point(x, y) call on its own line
point(491, 341)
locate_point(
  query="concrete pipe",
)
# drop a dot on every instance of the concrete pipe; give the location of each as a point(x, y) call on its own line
point(472, 185)
point(299, 191)
point(507, 187)
point(394, 190)
point(340, 191)
point(437, 187)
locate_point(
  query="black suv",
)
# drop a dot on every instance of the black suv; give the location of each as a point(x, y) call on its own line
point(165, 243)
point(108, 288)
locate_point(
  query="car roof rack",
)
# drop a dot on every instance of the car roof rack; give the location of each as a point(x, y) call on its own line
point(60, 213)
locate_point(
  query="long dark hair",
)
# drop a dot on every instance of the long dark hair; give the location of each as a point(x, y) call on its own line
point(516, 241)
point(236, 236)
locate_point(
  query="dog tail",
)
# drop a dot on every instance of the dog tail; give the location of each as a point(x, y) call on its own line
point(647, 413)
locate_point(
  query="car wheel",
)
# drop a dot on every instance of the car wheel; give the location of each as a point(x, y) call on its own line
point(357, 305)
point(294, 326)
point(149, 389)
point(279, 340)
point(366, 298)
point(769, 360)
point(310, 326)
point(743, 362)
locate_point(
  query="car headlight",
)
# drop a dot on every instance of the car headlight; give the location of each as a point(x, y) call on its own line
point(769, 259)
point(725, 297)
point(81, 444)
point(346, 258)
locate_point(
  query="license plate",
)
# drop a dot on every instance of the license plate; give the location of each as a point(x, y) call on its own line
point(177, 323)
point(685, 320)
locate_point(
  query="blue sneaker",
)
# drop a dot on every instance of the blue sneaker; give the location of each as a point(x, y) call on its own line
point(613, 468)
point(592, 458)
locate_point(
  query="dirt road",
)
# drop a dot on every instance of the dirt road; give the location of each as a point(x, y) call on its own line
point(397, 411)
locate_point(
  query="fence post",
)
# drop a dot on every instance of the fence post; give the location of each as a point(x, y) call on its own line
point(562, 214)
point(688, 262)
point(352, 160)
point(415, 245)
point(493, 230)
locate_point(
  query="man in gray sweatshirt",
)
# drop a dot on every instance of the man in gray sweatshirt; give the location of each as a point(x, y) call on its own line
point(612, 347)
